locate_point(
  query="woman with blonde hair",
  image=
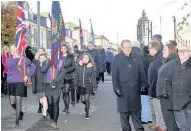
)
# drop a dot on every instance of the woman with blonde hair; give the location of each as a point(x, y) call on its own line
point(4, 56)
point(19, 70)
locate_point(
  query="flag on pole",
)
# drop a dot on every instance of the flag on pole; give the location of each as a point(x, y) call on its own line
point(21, 29)
point(81, 36)
point(57, 30)
point(92, 32)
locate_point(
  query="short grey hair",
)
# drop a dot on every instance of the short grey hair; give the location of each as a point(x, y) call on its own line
point(125, 41)
point(136, 44)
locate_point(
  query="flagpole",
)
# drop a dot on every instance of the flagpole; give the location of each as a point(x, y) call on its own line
point(92, 32)
point(81, 39)
point(38, 25)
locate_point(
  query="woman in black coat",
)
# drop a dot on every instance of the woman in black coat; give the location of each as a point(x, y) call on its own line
point(170, 56)
point(85, 80)
point(67, 59)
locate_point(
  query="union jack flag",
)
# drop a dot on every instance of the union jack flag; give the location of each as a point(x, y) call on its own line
point(21, 29)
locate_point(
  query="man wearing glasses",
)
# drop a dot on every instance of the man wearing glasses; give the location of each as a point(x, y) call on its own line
point(128, 79)
point(181, 88)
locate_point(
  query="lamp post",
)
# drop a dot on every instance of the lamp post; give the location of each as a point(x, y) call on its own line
point(174, 19)
point(144, 29)
point(38, 25)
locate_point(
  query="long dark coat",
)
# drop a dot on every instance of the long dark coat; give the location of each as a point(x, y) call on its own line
point(95, 56)
point(181, 85)
point(70, 63)
point(155, 64)
point(128, 76)
point(163, 90)
point(102, 56)
point(163, 75)
point(38, 79)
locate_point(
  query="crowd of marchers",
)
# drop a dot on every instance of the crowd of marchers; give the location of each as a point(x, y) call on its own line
point(76, 76)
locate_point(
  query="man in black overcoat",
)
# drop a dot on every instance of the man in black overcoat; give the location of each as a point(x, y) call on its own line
point(128, 79)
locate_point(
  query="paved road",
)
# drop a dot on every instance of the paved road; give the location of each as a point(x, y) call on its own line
point(103, 114)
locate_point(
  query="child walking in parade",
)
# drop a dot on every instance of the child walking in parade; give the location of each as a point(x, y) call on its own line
point(16, 80)
point(85, 80)
point(34, 80)
point(54, 82)
point(39, 81)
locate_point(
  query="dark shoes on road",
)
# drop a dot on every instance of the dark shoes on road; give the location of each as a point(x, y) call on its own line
point(66, 111)
point(39, 111)
point(21, 116)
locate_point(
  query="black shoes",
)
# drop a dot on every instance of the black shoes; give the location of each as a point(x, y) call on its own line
point(146, 122)
point(84, 102)
point(16, 124)
point(87, 116)
point(66, 111)
point(39, 111)
point(21, 116)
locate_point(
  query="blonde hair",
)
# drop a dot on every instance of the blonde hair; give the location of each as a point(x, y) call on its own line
point(5, 48)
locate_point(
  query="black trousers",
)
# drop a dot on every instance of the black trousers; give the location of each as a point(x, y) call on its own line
point(108, 67)
point(168, 116)
point(101, 77)
point(136, 118)
point(72, 91)
point(77, 96)
point(53, 107)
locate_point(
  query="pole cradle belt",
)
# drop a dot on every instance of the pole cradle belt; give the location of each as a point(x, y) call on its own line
point(22, 74)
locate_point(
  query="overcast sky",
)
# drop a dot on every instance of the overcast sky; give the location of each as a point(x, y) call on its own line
point(112, 16)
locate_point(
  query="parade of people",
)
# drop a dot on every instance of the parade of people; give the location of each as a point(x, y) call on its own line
point(56, 75)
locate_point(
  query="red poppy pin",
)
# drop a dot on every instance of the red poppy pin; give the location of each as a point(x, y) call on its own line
point(183, 68)
point(134, 59)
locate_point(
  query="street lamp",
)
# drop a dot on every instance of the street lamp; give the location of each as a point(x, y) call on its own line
point(144, 29)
